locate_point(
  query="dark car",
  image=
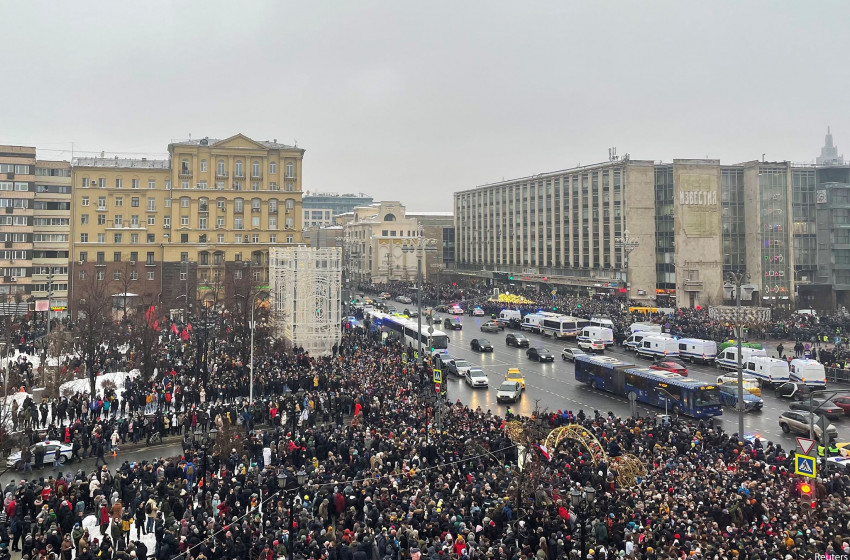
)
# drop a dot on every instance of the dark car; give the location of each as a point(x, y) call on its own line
point(820, 406)
point(843, 403)
point(792, 390)
point(517, 340)
point(452, 323)
point(540, 354)
point(481, 345)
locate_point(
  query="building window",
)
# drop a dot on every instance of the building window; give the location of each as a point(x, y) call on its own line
point(255, 221)
point(84, 238)
point(239, 170)
point(203, 166)
point(290, 170)
point(184, 185)
point(84, 219)
point(101, 219)
point(134, 221)
point(289, 223)
point(118, 183)
point(134, 202)
point(290, 204)
point(272, 222)
point(119, 201)
point(101, 238)
point(134, 256)
point(85, 182)
point(219, 222)
point(134, 275)
point(151, 238)
point(202, 223)
point(101, 203)
point(237, 274)
point(101, 275)
point(134, 238)
point(184, 167)
point(255, 205)
point(255, 185)
point(84, 256)
point(184, 221)
point(151, 205)
point(116, 256)
point(149, 258)
point(101, 257)
point(151, 275)
point(167, 203)
point(117, 238)
point(290, 187)
point(184, 202)
point(151, 183)
point(151, 220)
point(220, 168)
point(220, 238)
point(237, 222)
point(85, 201)
point(272, 238)
point(118, 221)
point(289, 239)
point(202, 185)
point(237, 205)
point(272, 167)
point(135, 183)
point(255, 169)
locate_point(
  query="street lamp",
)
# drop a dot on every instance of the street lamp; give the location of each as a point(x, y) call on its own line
point(300, 479)
point(627, 245)
point(582, 502)
point(420, 247)
point(252, 325)
point(736, 279)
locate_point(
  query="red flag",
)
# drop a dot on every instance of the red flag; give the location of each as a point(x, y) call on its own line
point(174, 328)
point(357, 408)
point(189, 327)
point(185, 335)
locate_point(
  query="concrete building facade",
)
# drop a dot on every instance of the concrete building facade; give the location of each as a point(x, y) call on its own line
point(709, 219)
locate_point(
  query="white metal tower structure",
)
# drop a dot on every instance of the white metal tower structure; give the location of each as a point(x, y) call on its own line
point(305, 285)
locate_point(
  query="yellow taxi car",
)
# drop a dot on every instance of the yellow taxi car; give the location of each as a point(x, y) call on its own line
point(751, 384)
point(514, 374)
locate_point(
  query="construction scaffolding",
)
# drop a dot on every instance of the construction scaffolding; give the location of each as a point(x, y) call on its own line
point(305, 285)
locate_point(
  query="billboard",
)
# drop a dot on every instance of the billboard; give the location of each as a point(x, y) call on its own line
point(698, 199)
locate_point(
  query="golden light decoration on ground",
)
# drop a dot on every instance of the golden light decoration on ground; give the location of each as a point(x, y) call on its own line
point(628, 467)
point(511, 298)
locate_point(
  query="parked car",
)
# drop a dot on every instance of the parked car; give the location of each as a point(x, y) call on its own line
point(792, 390)
point(403, 299)
point(729, 397)
point(458, 366)
point(798, 421)
point(14, 460)
point(673, 367)
point(517, 340)
point(441, 360)
point(590, 345)
point(540, 354)
point(509, 391)
point(452, 323)
point(491, 327)
point(751, 384)
point(843, 403)
point(481, 345)
point(478, 312)
point(514, 374)
point(475, 377)
point(820, 406)
point(569, 354)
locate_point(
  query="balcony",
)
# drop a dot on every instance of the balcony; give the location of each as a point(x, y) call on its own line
point(257, 177)
point(185, 174)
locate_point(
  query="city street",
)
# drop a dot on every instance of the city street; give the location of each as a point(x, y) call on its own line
point(138, 454)
point(552, 386)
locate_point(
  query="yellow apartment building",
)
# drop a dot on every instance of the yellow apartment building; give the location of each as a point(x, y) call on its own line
point(177, 230)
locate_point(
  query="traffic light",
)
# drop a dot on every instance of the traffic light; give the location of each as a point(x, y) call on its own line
point(554, 309)
point(807, 493)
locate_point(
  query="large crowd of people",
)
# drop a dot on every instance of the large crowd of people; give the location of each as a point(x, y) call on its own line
point(349, 457)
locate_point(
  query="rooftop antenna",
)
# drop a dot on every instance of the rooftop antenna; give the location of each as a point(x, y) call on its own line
point(612, 154)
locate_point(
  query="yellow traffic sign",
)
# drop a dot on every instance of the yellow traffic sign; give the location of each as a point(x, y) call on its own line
point(805, 465)
point(404, 357)
point(438, 376)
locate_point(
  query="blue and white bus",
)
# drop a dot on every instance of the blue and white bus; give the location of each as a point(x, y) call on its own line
point(657, 388)
point(407, 330)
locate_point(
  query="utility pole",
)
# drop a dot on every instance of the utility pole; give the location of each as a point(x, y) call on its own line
point(627, 245)
point(737, 279)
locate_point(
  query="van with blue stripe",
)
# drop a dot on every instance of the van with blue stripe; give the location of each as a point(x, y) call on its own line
point(728, 359)
point(809, 372)
point(658, 348)
point(697, 350)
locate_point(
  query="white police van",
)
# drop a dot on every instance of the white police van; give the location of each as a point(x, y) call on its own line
point(697, 350)
point(767, 370)
point(658, 348)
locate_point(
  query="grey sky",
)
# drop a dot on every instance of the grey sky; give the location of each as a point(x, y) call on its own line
point(415, 100)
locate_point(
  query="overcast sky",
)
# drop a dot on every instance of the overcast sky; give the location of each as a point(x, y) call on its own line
point(413, 101)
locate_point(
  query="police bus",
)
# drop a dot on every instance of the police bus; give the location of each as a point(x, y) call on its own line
point(409, 332)
point(561, 326)
point(662, 389)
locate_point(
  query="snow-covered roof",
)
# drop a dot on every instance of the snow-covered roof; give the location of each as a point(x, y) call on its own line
point(142, 163)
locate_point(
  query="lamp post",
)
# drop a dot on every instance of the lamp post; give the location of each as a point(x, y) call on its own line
point(626, 244)
point(47, 337)
point(300, 478)
point(736, 279)
point(420, 246)
point(251, 366)
point(582, 502)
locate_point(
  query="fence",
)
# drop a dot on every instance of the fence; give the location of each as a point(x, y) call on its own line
point(837, 375)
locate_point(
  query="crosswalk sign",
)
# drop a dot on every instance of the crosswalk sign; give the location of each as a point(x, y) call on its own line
point(438, 376)
point(805, 465)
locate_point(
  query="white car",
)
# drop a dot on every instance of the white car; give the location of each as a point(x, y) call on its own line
point(458, 366)
point(403, 299)
point(478, 312)
point(475, 377)
point(509, 391)
point(14, 460)
point(590, 345)
point(569, 354)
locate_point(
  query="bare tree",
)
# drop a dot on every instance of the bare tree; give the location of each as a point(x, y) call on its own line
point(145, 323)
point(94, 324)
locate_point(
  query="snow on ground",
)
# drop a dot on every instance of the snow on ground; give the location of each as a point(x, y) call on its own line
point(90, 523)
point(82, 385)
